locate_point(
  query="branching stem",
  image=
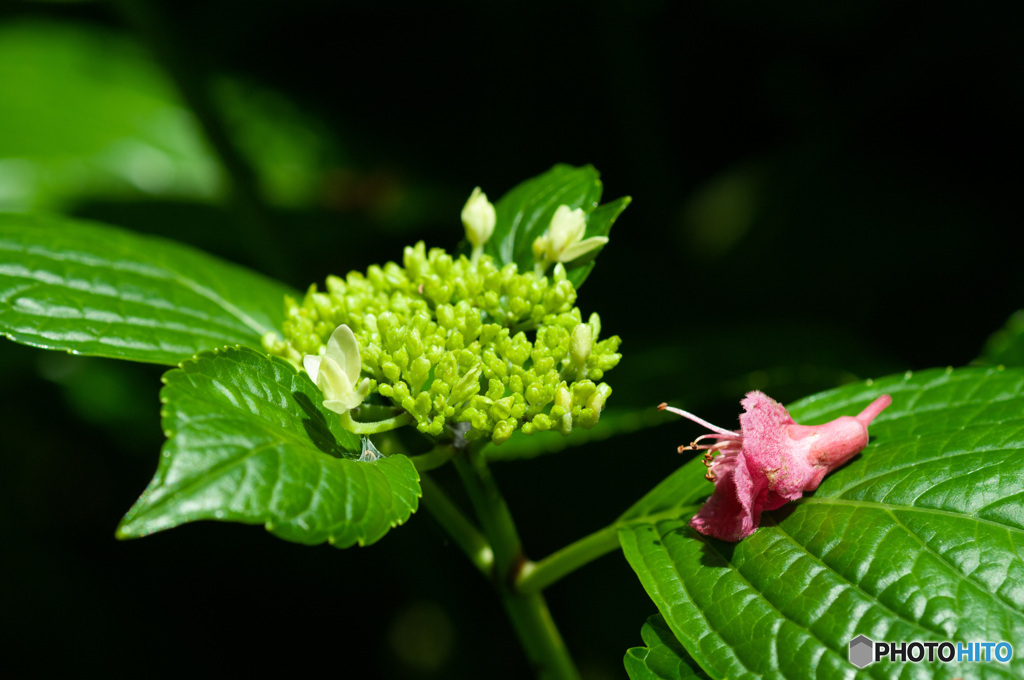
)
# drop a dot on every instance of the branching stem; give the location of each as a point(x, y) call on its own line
point(529, 614)
point(536, 576)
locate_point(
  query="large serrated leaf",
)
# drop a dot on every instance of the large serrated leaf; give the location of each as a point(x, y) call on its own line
point(915, 539)
point(92, 289)
point(663, 658)
point(525, 212)
point(250, 442)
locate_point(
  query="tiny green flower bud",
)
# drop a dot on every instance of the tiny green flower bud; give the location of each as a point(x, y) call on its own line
point(598, 398)
point(502, 431)
point(595, 325)
point(542, 422)
point(502, 408)
point(540, 246)
point(563, 398)
point(419, 371)
point(468, 385)
point(391, 371)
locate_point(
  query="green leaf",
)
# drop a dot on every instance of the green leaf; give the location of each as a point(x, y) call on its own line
point(663, 658)
point(249, 441)
point(96, 290)
point(1006, 346)
point(525, 212)
point(915, 539)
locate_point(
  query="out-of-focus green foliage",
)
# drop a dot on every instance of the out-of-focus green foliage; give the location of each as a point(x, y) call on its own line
point(1006, 346)
point(86, 113)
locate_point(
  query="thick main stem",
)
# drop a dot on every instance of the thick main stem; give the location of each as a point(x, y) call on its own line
point(529, 614)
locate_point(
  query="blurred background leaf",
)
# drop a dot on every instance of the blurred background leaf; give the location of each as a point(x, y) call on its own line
point(87, 115)
point(1006, 346)
point(820, 193)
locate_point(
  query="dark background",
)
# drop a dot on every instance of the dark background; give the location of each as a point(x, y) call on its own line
point(821, 192)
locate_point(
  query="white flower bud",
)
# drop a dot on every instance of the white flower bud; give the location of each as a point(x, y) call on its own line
point(337, 370)
point(580, 345)
point(478, 217)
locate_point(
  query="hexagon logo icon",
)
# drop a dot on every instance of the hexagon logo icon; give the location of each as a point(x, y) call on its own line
point(862, 651)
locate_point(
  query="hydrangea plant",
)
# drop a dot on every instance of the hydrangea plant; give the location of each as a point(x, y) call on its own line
point(296, 412)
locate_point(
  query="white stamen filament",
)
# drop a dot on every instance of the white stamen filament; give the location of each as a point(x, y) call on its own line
point(699, 421)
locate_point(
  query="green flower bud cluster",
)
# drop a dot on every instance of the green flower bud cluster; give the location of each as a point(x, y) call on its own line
point(450, 340)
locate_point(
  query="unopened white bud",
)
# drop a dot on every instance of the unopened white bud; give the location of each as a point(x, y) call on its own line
point(479, 218)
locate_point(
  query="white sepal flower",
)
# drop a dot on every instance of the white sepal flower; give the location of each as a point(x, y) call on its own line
point(478, 217)
point(337, 370)
point(563, 241)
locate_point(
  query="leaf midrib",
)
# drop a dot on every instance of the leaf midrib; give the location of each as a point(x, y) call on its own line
point(881, 474)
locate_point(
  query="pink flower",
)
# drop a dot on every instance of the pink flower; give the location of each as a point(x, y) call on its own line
point(770, 461)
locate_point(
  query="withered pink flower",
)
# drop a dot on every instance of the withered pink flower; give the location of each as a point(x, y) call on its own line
point(772, 460)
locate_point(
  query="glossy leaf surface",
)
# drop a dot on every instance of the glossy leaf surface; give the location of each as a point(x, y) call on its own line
point(917, 538)
point(525, 212)
point(96, 290)
point(249, 441)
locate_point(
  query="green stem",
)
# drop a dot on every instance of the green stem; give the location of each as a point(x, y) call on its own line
point(375, 427)
point(455, 524)
point(475, 255)
point(493, 513)
point(536, 576)
point(432, 459)
point(529, 614)
point(539, 636)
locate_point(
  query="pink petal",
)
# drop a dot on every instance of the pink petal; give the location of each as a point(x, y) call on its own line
point(734, 509)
